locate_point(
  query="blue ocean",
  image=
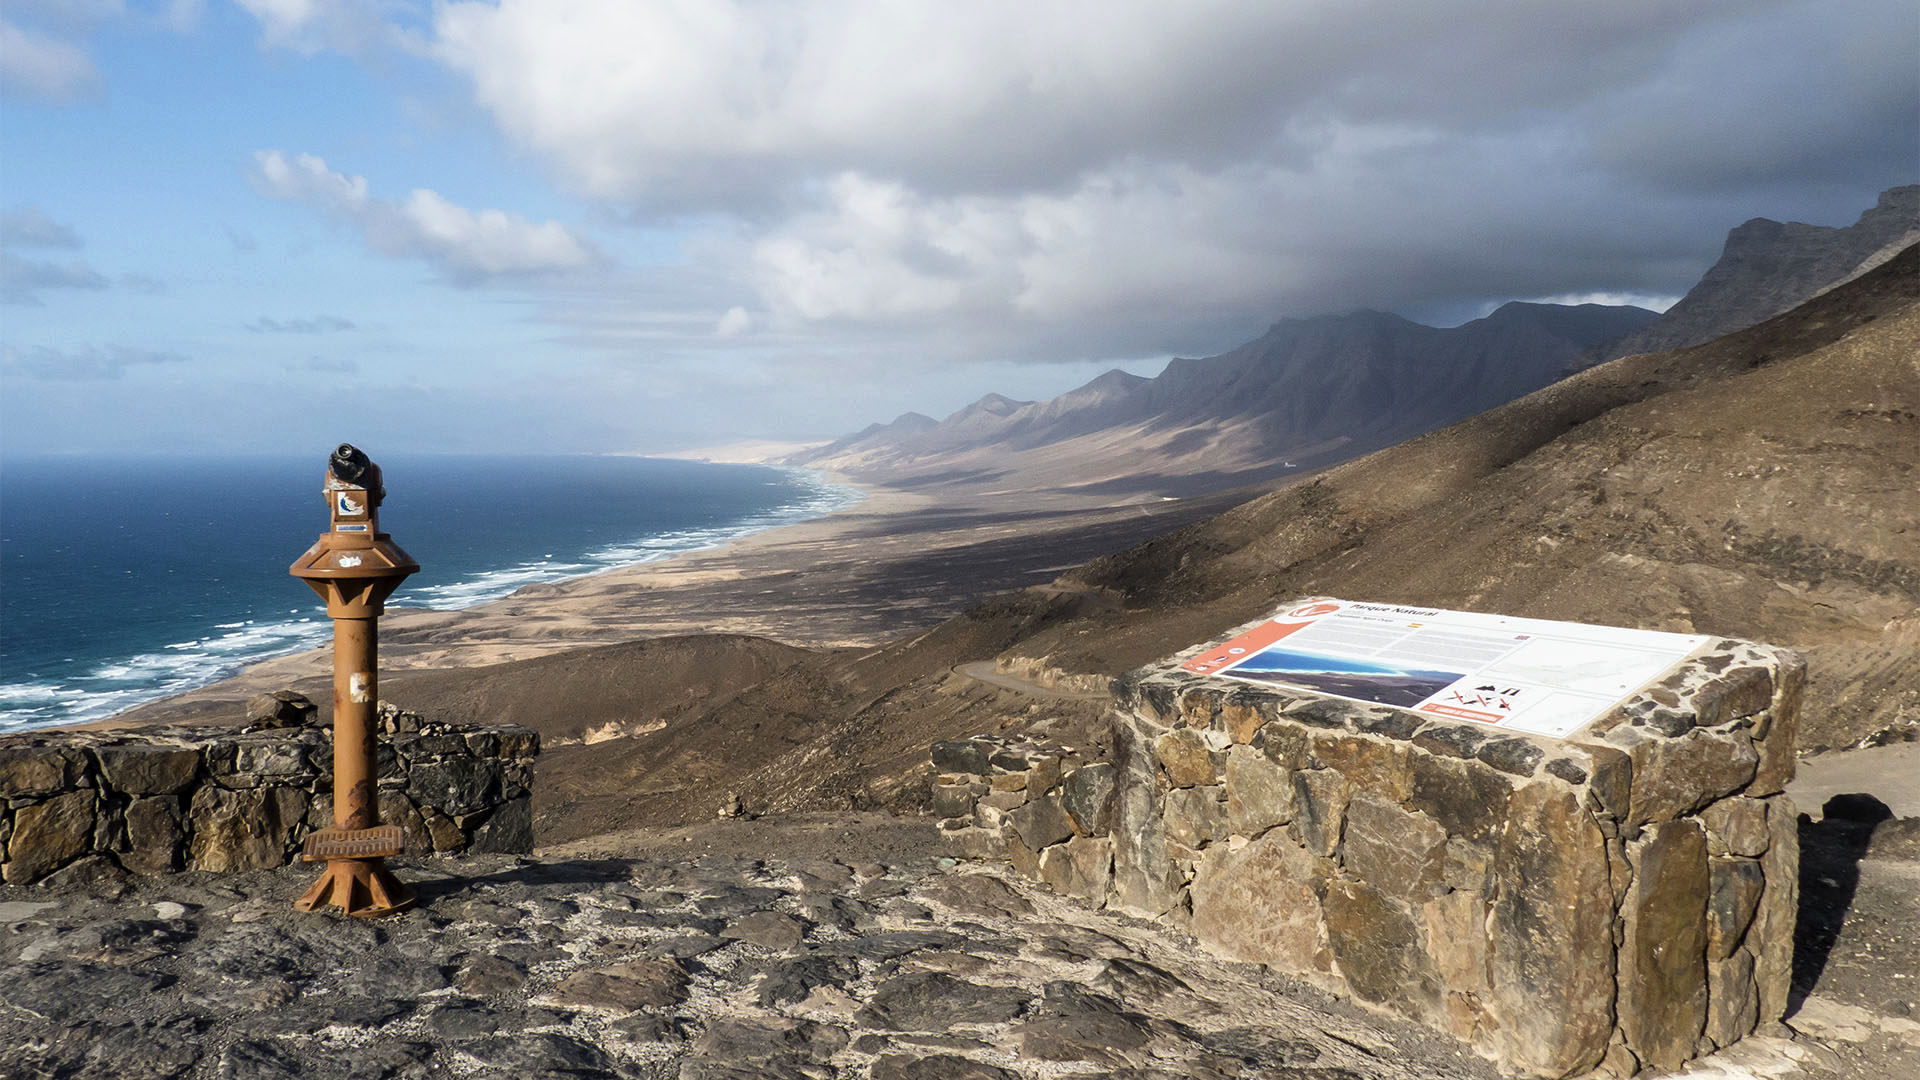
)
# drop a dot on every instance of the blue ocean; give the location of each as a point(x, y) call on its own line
point(127, 579)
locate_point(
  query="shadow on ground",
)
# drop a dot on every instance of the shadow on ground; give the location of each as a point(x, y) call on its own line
point(1830, 854)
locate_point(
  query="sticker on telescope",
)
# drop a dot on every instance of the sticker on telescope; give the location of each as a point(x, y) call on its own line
point(349, 560)
point(350, 528)
point(360, 687)
point(345, 505)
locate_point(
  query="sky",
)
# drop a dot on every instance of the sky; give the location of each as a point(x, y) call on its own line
point(620, 226)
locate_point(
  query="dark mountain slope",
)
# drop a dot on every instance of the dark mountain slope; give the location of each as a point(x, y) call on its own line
point(1768, 267)
point(1308, 392)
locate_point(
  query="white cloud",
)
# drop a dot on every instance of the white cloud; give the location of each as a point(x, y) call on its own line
point(1127, 170)
point(308, 26)
point(90, 363)
point(319, 324)
point(29, 226)
point(36, 65)
point(22, 279)
point(734, 323)
point(467, 245)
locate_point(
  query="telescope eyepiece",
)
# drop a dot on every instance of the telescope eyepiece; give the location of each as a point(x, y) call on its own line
point(351, 465)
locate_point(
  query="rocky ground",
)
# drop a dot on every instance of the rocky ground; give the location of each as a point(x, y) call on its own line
point(854, 953)
point(672, 964)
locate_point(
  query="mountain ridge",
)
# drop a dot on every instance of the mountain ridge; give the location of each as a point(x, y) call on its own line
point(1313, 391)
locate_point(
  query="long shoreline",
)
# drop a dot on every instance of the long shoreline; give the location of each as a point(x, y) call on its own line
point(899, 561)
point(851, 494)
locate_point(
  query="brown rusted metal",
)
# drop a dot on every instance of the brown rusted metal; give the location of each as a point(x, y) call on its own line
point(354, 567)
point(377, 842)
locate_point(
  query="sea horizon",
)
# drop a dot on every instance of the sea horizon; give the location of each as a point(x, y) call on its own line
point(100, 611)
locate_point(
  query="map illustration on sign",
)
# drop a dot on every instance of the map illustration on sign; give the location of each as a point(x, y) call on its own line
point(1534, 675)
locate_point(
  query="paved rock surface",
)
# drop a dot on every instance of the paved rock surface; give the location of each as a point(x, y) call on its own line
point(583, 965)
point(697, 968)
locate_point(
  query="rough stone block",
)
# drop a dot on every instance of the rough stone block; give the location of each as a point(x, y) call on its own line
point(517, 742)
point(154, 835)
point(1467, 798)
point(1369, 764)
point(1196, 816)
point(1733, 896)
point(1242, 719)
point(952, 800)
point(1378, 946)
point(1736, 827)
point(443, 831)
point(507, 828)
point(1259, 792)
point(1004, 801)
point(1040, 823)
point(1739, 693)
point(971, 843)
point(1513, 755)
point(1457, 940)
point(1454, 740)
point(1087, 795)
point(1260, 904)
point(1672, 777)
point(1663, 976)
point(1143, 876)
point(280, 709)
point(1320, 806)
point(1611, 783)
point(1733, 1001)
point(1771, 935)
point(397, 809)
point(32, 771)
point(1552, 941)
point(1080, 867)
point(1778, 757)
point(1286, 745)
point(962, 756)
point(1197, 708)
point(1024, 860)
point(456, 787)
point(148, 769)
point(243, 829)
point(1399, 852)
point(48, 835)
point(1185, 756)
point(1044, 774)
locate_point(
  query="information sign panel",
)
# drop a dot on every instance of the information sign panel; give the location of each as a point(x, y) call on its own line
point(1534, 675)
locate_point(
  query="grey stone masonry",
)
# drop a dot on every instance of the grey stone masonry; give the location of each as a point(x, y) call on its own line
point(1619, 899)
point(74, 804)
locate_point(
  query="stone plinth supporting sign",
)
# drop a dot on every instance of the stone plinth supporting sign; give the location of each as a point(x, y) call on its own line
point(1626, 894)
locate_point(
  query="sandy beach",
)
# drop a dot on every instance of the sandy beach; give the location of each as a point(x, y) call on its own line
point(900, 560)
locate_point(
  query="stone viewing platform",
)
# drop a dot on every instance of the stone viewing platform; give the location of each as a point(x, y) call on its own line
point(669, 963)
point(1620, 898)
point(79, 805)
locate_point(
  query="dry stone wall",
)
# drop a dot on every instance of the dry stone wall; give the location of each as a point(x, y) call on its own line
point(74, 804)
point(1621, 899)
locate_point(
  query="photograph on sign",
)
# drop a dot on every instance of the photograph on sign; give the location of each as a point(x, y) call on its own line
point(1358, 679)
point(1534, 675)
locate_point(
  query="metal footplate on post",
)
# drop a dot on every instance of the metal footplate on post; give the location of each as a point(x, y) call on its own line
point(378, 842)
point(354, 567)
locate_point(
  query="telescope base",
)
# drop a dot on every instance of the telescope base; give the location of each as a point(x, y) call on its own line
point(363, 888)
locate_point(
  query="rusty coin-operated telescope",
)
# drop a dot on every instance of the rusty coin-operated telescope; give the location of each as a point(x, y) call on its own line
point(354, 567)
